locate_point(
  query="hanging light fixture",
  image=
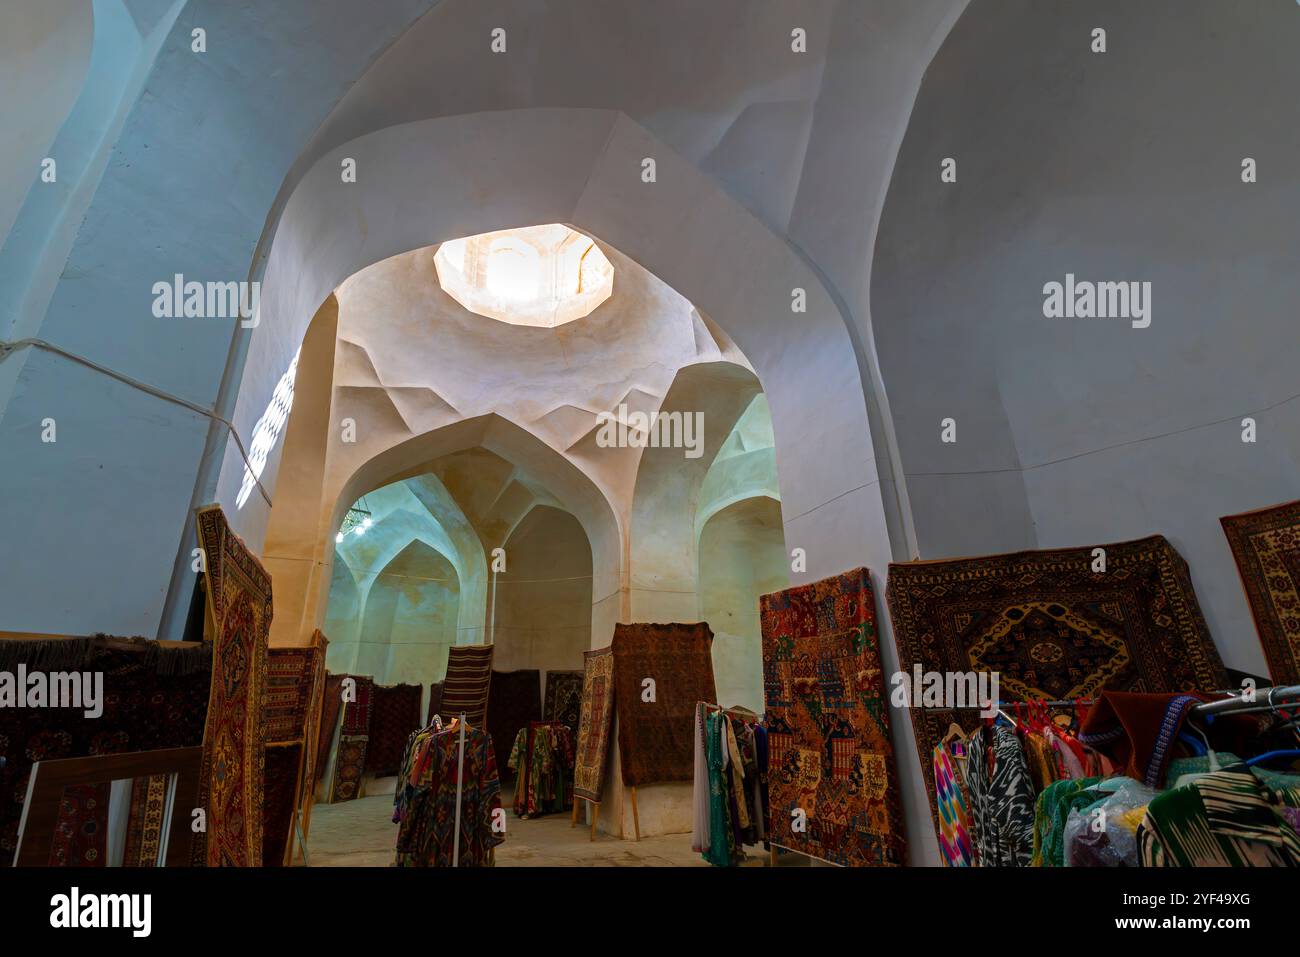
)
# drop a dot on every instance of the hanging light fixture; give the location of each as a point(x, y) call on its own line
point(358, 520)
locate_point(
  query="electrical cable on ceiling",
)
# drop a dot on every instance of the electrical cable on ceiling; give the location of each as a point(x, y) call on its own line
point(8, 347)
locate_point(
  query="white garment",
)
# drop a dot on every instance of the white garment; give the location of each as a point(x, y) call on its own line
point(700, 789)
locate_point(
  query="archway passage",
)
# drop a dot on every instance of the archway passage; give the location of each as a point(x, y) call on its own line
point(461, 480)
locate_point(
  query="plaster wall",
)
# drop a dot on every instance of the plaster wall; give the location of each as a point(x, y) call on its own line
point(1080, 432)
point(741, 557)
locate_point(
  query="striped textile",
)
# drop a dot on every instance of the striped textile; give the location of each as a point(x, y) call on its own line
point(1229, 818)
point(465, 689)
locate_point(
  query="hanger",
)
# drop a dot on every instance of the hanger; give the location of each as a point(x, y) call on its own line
point(955, 737)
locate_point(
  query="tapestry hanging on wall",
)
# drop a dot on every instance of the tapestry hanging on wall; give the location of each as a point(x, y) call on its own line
point(1051, 627)
point(656, 723)
point(435, 702)
point(829, 751)
point(1266, 545)
point(465, 688)
point(594, 723)
point(564, 699)
point(515, 699)
point(395, 715)
point(238, 622)
point(155, 696)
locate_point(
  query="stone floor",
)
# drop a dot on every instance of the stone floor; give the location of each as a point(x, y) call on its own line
point(361, 833)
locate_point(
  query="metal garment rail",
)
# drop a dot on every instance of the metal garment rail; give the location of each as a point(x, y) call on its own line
point(1263, 699)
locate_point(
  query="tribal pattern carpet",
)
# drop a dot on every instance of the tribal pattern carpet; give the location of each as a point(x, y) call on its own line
point(289, 675)
point(315, 714)
point(1266, 545)
point(358, 711)
point(594, 724)
point(349, 765)
point(155, 697)
point(354, 739)
point(832, 778)
point(81, 829)
point(514, 700)
point(465, 688)
point(395, 715)
point(564, 699)
point(234, 741)
point(1052, 628)
point(656, 723)
point(144, 821)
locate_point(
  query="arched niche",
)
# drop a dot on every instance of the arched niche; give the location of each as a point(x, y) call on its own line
point(409, 618)
point(708, 398)
point(741, 556)
point(570, 488)
point(582, 167)
point(541, 605)
point(440, 179)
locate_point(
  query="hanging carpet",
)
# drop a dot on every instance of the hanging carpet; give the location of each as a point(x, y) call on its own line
point(238, 622)
point(564, 699)
point(1051, 627)
point(395, 715)
point(656, 723)
point(331, 705)
point(594, 724)
point(155, 696)
point(832, 778)
point(354, 741)
point(465, 688)
point(1266, 545)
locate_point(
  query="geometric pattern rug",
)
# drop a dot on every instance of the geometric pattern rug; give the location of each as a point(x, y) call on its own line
point(1266, 545)
point(144, 821)
point(831, 767)
point(564, 699)
point(594, 724)
point(349, 765)
point(656, 723)
point(1051, 627)
point(396, 714)
point(155, 696)
point(354, 739)
point(289, 675)
point(234, 741)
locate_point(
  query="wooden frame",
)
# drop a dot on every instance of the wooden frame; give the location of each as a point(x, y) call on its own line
point(49, 779)
point(595, 813)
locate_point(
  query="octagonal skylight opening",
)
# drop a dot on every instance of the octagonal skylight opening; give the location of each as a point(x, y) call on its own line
point(540, 276)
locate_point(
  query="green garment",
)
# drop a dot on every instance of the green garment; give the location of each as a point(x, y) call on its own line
point(1051, 811)
point(722, 843)
point(1229, 818)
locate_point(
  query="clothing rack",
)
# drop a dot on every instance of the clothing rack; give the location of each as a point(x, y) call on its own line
point(743, 713)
